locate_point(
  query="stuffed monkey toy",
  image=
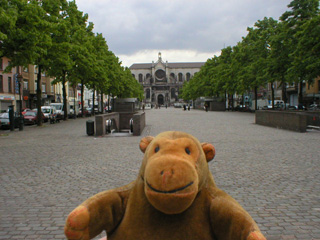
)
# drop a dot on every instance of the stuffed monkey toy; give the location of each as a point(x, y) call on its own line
point(174, 197)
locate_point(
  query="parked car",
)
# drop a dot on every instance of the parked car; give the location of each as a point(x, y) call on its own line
point(147, 106)
point(108, 109)
point(45, 118)
point(86, 112)
point(314, 107)
point(297, 107)
point(5, 120)
point(31, 117)
point(49, 113)
point(24, 110)
point(177, 105)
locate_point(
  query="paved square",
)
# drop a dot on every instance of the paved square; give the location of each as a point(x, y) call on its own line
point(46, 172)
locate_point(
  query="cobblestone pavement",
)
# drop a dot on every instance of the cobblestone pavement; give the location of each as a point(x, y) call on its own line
point(47, 171)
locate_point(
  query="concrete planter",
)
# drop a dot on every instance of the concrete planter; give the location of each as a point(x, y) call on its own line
point(294, 121)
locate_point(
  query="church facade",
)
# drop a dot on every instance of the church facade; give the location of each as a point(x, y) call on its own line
point(162, 81)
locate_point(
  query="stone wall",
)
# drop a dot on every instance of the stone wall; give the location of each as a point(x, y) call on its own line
point(139, 123)
point(217, 106)
point(100, 121)
point(294, 121)
point(122, 122)
point(125, 120)
point(313, 118)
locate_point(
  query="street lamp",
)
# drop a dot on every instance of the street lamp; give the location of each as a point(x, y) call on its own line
point(21, 123)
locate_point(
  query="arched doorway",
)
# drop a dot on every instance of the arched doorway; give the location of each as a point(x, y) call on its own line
point(160, 99)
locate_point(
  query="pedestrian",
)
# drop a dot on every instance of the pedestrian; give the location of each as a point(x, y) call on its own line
point(188, 107)
point(206, 106)
point(143, 107)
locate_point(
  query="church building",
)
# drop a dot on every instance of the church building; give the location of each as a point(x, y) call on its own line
point(162, 81)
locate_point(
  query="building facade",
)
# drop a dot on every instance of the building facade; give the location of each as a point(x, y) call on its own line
point(163, 81)
point(24, 95)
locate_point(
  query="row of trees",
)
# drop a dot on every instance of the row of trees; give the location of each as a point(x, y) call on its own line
point(287, 51)
point(57, 37)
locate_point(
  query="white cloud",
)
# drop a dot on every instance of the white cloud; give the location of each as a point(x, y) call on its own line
point(136, 30)
point(147, 56)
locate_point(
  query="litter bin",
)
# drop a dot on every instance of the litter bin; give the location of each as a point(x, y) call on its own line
point(90, 127)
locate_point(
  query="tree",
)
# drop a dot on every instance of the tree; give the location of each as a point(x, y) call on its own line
point(307, 52)
point(293, 20)
point(28, 39)
point(256, 46)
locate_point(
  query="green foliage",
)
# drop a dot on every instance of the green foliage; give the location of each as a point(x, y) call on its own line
point(286, 51)
point(307, 52)
point(57, 37)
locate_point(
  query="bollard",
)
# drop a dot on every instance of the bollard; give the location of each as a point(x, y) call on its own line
point(21, 123)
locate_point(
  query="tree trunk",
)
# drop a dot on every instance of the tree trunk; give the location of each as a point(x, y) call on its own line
point(300, 92)
point(39, 115)
point(82, 103)
point(74, 102)
point(284, 94)
point(232, 105)
point(109, 102)
point(98, 101)
point(272, 95)
point(101, 102)
point(93, 97)
point(226, 100)
point(242, 100)
point(256, 98)
point(64, 92)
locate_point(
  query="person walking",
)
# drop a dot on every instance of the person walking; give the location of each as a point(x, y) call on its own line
point(206, 106)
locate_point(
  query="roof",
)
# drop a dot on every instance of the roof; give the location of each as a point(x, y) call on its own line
point(170, 65)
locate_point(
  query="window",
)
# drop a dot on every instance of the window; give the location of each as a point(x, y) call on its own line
point(25, 84)
point(43, 87)
point(319, 86)
point(188, 75)
point(9, 85)
point(1, 83)
point(1, 64)
point(9, 63)
point(140, 77)
point(173, 93)
point(148, 93)
point(180, 77)
point(52, 88)
point(35, 85)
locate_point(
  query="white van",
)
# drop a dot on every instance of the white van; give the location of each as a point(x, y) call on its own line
point(59, 109)
point(49, 113)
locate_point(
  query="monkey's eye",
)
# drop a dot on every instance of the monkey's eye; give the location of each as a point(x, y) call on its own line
point(157, 149)
point(188, 151)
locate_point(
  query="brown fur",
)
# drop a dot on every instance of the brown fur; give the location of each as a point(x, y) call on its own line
point(173, 197)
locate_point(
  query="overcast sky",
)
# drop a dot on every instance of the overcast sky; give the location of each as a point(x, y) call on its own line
point(182, 30)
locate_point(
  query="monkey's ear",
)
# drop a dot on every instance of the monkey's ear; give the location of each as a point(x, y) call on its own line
point(144, 143)
point(209, 151)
